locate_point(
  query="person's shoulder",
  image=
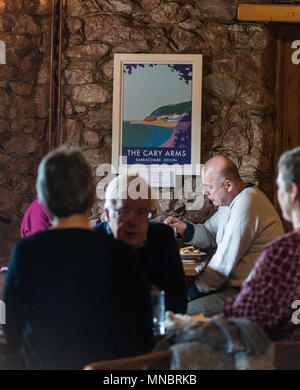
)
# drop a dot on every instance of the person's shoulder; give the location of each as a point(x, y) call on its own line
point(26, 247)
point(34, 238)
point(253, 193)
point(159, 228)
point(159, 232)
point(286, 242)
point(253, 198)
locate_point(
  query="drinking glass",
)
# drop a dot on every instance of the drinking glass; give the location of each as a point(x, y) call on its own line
point(158, 312)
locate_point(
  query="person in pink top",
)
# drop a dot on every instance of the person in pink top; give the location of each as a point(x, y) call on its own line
point(270, 296)
point(35, 219)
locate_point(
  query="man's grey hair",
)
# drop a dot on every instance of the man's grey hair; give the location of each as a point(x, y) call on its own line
point(65, 184)
point(289, 166)
point(124, 187)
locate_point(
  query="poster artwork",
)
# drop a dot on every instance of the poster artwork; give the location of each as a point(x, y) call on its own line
point(157, 113)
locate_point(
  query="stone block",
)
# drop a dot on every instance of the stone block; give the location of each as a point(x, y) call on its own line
point(254, 94)
point(22, 166)
point(10, 6)
point(41, 100)
point(100, 118)
point(216, 35)
point(18, 182)
point(111, 29)
point(4, 103)
point(5, 23)
point(42, 8)
point(188, 41)
point(221, 85)
point(150, 4)
point(20, 88)
point(88, 51)
point(3, 177)
point(68, 108)
point(71, 131)
point(80, 73)
point(43, 76)
point(223, 10)
point(74, 24)
point(91, 138)
point(170, 13)
point(24, 24)
point(124, 6)
point(79, 8)
point(108, 69)
point(95, 157)
point(236, 141)
point(90, 93)
point(224, 62)
point(140, 46)
point(22, 144)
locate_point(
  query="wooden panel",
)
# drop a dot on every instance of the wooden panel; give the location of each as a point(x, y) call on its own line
point(269, 13)
point(288, 99)
point(291, 100)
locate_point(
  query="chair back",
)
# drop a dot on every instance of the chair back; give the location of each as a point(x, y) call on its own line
point(159, 360)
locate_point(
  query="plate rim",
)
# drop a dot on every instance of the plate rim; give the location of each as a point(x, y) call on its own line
point(193, 255)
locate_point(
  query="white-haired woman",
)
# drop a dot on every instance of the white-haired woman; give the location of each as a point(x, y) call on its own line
point(63, 285)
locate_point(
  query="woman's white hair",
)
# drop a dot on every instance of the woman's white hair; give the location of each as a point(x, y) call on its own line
point(124, 187)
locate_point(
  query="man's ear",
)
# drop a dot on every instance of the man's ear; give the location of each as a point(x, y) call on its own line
point(228, 185)
point(294, 192)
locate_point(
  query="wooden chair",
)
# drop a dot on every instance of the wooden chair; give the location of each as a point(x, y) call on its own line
point(287, 355)
point(159, 360)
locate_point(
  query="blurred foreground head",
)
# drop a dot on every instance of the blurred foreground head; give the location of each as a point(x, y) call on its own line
point(65, 184)
point(288, 185)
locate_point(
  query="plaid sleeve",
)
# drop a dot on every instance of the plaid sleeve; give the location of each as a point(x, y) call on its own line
point(266, 298)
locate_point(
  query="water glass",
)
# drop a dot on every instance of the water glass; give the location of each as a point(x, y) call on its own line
point(158, 312)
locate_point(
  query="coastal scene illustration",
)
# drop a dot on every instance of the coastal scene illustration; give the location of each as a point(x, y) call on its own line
point(157, 113)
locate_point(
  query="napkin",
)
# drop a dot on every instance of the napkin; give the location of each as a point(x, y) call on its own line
point(173, 320)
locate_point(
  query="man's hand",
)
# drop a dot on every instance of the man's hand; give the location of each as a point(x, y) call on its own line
point(176, 223)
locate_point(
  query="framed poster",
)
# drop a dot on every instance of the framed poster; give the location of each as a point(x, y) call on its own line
point(156, 110)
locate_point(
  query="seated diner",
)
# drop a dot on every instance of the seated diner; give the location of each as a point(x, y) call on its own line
point(128, 208)
point(72, 295)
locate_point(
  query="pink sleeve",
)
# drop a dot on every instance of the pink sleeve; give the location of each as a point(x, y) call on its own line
point(39, 221)
point(35, 219)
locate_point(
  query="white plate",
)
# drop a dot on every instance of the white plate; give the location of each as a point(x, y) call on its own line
point(192, 256)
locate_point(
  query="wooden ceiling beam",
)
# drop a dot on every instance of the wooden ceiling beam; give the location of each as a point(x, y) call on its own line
point(269, 13)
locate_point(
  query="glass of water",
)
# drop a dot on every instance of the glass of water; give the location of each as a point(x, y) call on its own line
point(158, 312)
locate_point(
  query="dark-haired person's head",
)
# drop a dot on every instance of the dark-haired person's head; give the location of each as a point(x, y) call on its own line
point(65, 184)
point(288, 184)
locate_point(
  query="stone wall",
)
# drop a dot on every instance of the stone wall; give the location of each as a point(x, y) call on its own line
point(238, 89)
point(238, 105)
point(24, 27)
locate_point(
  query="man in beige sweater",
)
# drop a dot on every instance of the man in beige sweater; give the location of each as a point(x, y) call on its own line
point(245, 222)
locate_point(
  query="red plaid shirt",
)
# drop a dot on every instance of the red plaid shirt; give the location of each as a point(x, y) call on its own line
point(273, 286)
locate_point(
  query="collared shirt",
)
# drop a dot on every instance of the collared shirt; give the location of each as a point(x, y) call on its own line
point(273, 285)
